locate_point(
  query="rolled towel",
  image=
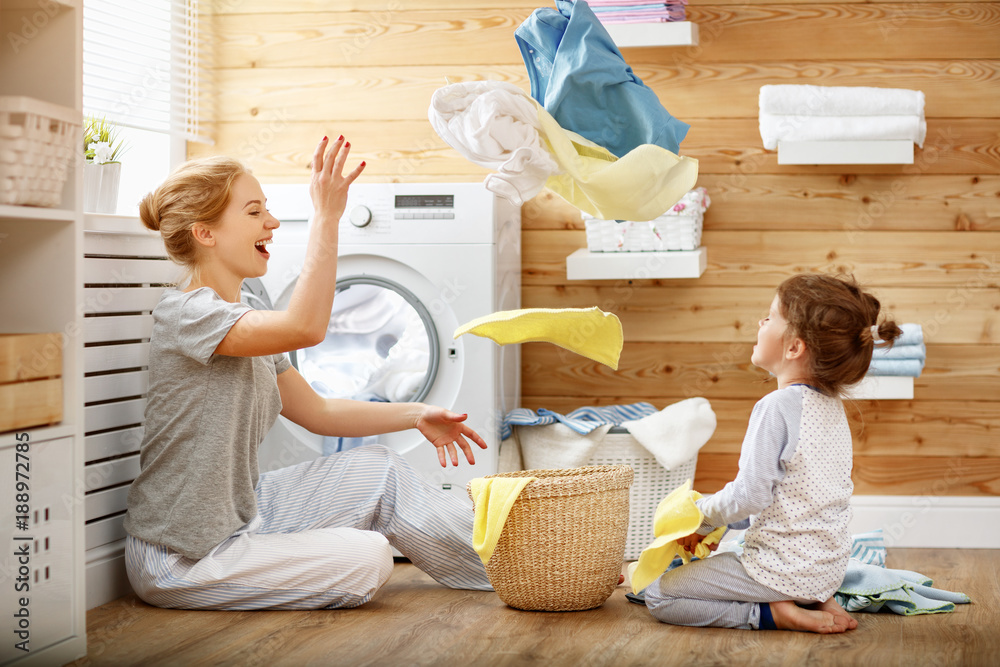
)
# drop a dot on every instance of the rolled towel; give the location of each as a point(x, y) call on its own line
point(896, 367)
point(806, 100)
point(775, 128)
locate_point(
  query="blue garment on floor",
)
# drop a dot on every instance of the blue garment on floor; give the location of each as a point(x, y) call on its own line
point(578, 74)
point(582, 420)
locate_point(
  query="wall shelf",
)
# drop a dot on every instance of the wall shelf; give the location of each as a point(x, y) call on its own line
point(884, 387)
point(845, 152)
point(586, 265)
point(671, 33)
point(36, 213)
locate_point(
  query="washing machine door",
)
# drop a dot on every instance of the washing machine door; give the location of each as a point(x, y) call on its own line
point(381, 345)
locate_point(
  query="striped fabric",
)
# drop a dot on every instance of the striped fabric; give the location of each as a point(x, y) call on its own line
point(321, 540)
point(582, 420)
point(869, 548)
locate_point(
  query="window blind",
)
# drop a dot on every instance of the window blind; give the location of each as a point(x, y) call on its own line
point(146, 65)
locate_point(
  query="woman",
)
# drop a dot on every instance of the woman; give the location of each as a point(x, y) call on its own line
point(206, 531)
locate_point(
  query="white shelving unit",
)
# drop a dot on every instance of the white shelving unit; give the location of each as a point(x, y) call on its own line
point(883, 387)
point(673, 33)
point(845, 152)
point(41, 268)
point(586, 265)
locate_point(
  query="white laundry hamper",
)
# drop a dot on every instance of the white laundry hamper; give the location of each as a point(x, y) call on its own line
point(652, 482)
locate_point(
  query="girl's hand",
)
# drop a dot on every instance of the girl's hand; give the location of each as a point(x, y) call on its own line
point(444, 429)
point(328, 187)
point(691, 542)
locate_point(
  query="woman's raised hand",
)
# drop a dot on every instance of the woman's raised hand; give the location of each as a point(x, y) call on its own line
point(328, 187)
point(444, 429)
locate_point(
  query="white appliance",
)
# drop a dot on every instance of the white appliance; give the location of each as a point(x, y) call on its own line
point(414, 262)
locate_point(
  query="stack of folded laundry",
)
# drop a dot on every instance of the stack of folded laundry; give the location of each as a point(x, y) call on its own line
point(905, 358)
point(844, 113)
point(637, 11)
point(677, 229)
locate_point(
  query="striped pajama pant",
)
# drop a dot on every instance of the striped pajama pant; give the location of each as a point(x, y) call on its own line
point(321, 540)
point(715, 592)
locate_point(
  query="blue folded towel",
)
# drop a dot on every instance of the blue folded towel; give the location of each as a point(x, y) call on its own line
point(582, 420)
point(904, 367)
point(917, 351)
point(913, 334)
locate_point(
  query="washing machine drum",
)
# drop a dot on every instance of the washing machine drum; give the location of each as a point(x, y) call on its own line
point(380, 345)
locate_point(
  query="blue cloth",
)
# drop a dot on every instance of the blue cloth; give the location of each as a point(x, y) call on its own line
point(580, 77)
point(913, 334)
point(915, 351)
point(582, 420)
point(869, 586)
point(904, 367)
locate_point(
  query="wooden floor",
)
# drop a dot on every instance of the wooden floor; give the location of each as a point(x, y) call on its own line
point(413, 621)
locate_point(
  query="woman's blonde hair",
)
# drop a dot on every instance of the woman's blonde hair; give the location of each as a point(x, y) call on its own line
point(196, 192)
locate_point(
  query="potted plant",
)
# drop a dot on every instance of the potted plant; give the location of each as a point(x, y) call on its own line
point(102, 146)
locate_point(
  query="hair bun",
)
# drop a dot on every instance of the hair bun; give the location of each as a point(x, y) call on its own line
point(888, 331)
point(149, 212)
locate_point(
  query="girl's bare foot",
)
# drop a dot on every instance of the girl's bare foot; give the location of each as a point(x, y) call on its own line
point(833, 607)
point(789, 616)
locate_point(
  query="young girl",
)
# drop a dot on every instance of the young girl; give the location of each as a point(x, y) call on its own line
point(205, 530)
point(793, 490)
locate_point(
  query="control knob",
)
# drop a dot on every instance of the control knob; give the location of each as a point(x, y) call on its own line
point(360, 216)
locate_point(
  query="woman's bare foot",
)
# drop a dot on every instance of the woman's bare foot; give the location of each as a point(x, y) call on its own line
point(789, 616)
point(833, 607)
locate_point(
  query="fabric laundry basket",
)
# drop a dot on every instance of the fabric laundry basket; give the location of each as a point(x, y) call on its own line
point(562, 546)
point(652, 483)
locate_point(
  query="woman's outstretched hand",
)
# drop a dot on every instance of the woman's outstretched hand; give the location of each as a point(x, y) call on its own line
point(444, 429)
point(328, 187)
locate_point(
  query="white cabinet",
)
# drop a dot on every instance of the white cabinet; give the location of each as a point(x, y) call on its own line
point(41, 273)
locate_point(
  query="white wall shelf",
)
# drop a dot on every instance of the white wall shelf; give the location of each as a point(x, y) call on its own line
point(671, 33)
point(883, 387)
point(36, 213)
point(845, 152)
point(586, 265)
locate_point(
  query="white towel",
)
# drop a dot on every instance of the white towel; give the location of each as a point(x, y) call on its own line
point(495, 125)
point(805, 100)
point(675, 434)
point(840, 128)
point(557, 445)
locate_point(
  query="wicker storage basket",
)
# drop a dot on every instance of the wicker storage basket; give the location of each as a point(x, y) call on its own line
point(678, 229)
point(37, 143)
point(652, 483)
point(562, 546)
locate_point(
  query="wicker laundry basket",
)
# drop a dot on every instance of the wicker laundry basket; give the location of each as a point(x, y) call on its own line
point(562, 546)
point(652, 483)
point(37, 144)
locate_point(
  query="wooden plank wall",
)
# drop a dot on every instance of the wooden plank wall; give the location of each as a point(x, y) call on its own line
point(925, 237)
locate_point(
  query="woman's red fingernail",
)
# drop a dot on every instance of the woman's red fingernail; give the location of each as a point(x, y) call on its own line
point(324, 137)
point(347, 144)
point(340, 138)
point(362, 163)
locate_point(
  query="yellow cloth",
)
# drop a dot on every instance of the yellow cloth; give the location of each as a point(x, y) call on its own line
point(493, 498)
point(587, 331)
point(641, 185)
point(676, 516)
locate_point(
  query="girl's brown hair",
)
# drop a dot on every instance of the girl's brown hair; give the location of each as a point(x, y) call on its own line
point(838, 322)
point(197, 191)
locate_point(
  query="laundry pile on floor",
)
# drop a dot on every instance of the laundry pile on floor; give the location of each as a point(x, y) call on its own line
point(905, 358)
point(637, 11)
point(591, 130)
point(840, 113)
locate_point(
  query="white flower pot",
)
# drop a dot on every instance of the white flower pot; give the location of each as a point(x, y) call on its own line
point(100, 187)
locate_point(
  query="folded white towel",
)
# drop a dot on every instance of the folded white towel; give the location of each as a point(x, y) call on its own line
point(805, 100)
point(675, 434)
point(495, 125)
point(840, 128)
point(557, 445)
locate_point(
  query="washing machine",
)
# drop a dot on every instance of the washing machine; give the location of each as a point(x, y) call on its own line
point(414, 262)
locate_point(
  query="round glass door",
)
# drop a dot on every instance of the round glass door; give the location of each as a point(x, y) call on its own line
point(381, 345)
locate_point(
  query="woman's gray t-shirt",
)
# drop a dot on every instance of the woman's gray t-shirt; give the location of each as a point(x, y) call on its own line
point(206, 415)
